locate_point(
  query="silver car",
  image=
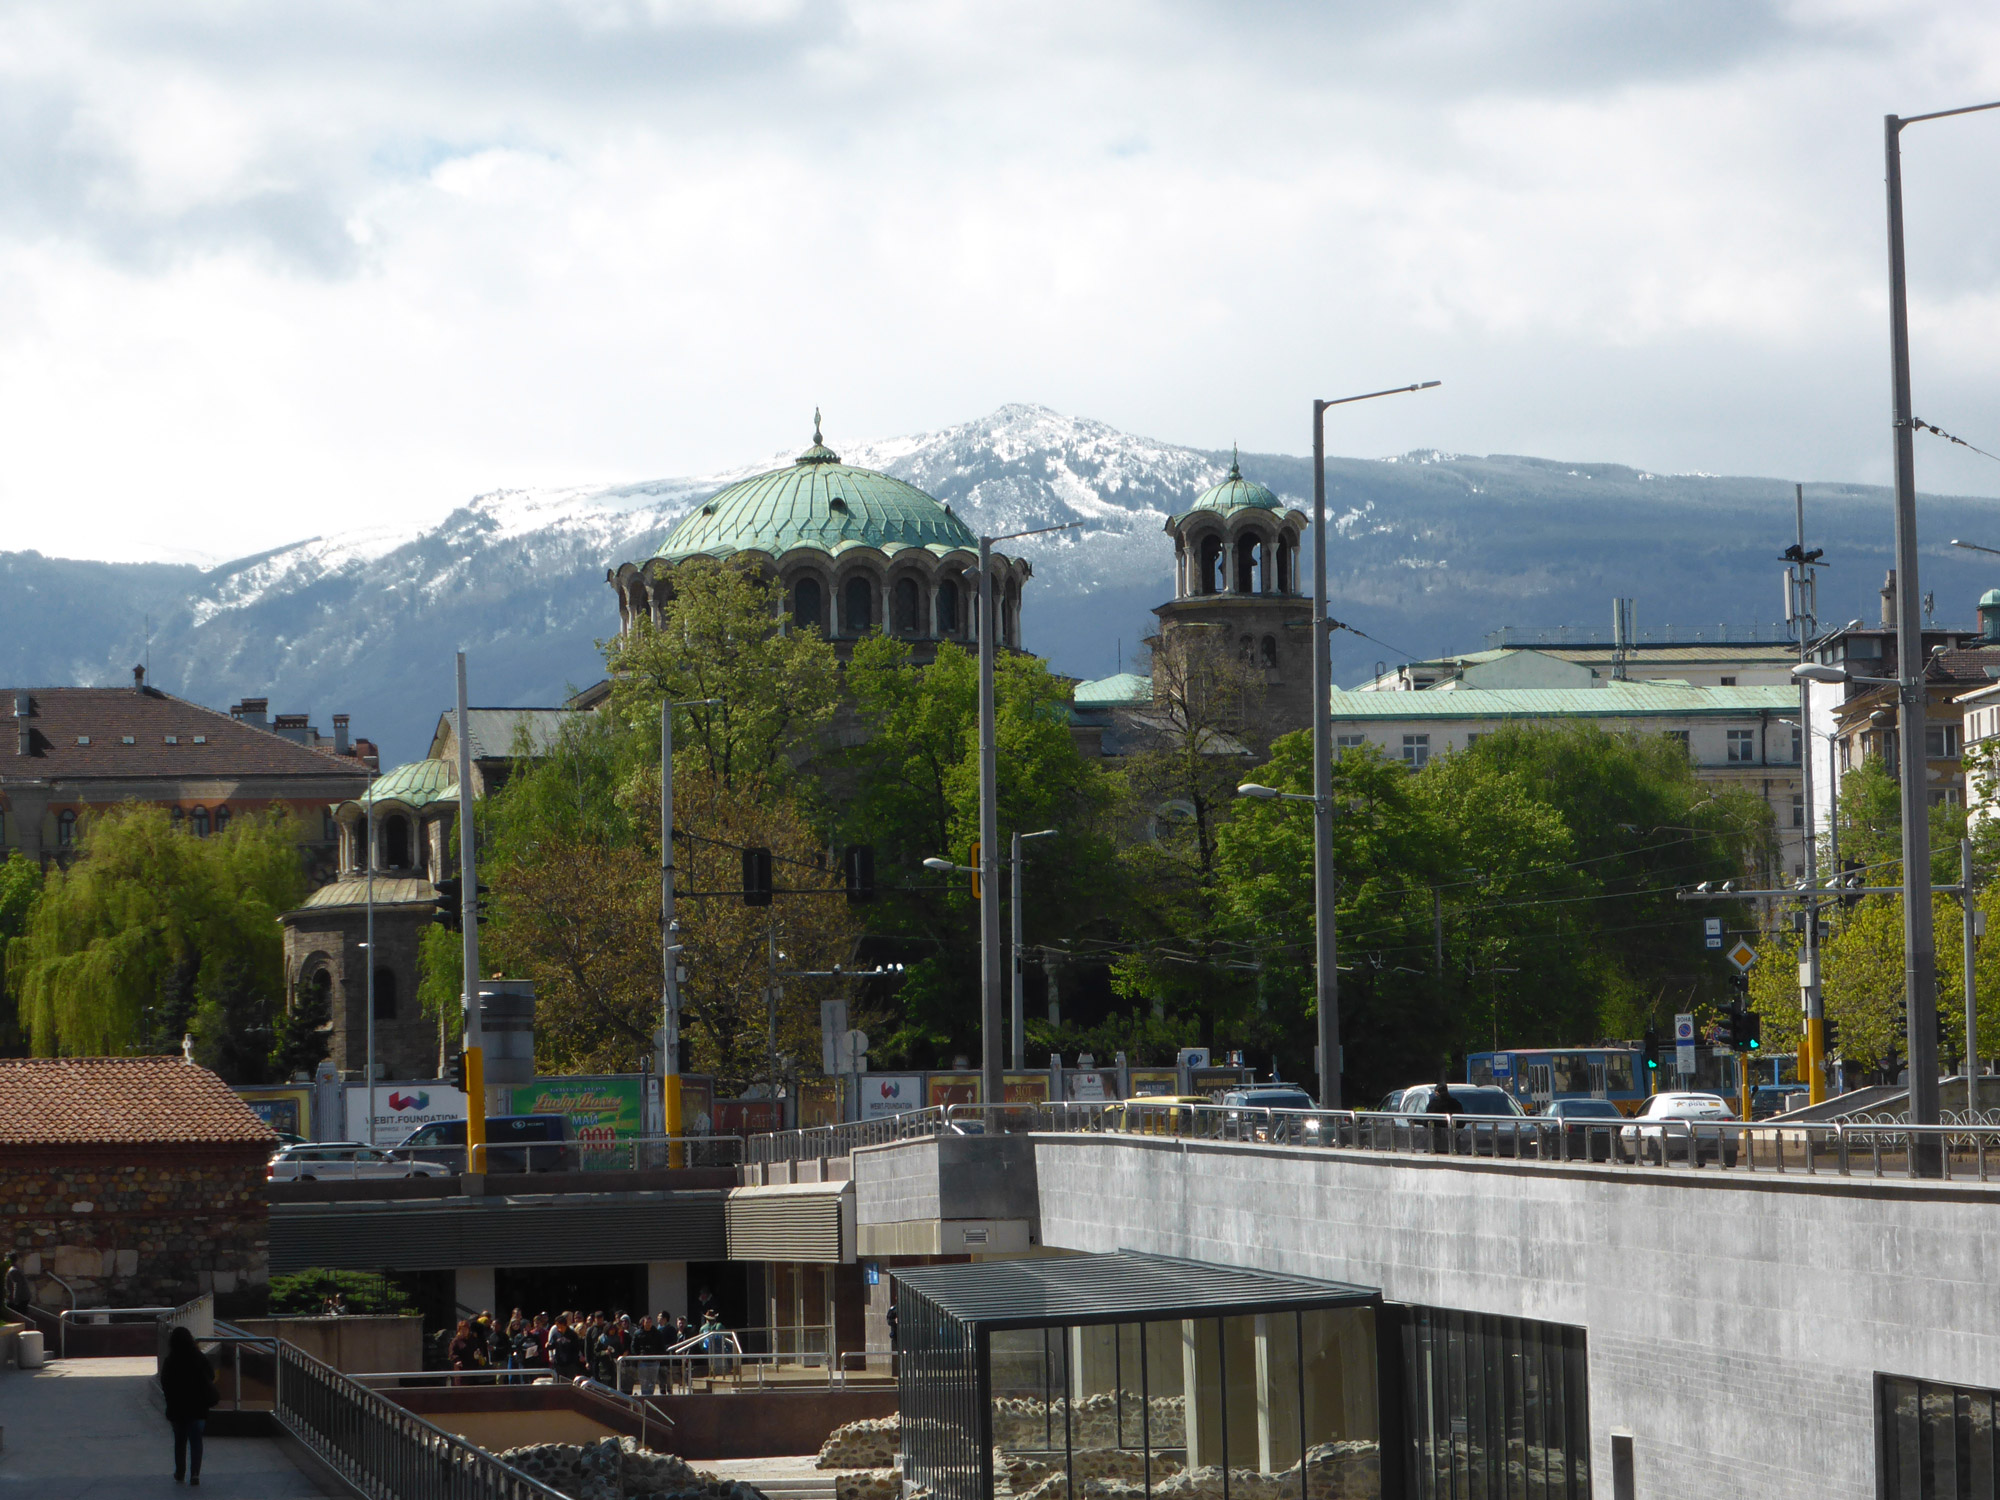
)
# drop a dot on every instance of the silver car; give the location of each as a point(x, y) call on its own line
point(345, 1161)
point(1650, 1137)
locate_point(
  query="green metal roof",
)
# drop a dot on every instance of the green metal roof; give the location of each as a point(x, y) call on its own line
point(1121, 687)
point(390, 890)
point(1236, 493)
point(818, 502)
point(417, 784)
point(1615, 700)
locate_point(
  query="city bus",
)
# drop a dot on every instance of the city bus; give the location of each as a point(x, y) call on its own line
point(1538, 1076)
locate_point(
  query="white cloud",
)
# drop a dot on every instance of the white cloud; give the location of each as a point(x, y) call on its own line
point(266, 272)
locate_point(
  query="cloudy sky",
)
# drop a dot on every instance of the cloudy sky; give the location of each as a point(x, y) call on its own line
point(272, 270)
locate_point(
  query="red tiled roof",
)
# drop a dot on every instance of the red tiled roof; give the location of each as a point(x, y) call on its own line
point(108, 716)
point(69, 1101)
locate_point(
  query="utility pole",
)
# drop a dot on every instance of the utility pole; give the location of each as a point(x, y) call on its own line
point(370, 946)
point(1971, 977)
point(468, 874)
point(1802, 605)
point(1020, 1018)
point(670, 941)
point(992, 1086)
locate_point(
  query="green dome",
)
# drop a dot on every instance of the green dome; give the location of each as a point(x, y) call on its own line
point(417, 784)
point(1989, 599)
point(1237, 493)
point(818, 502)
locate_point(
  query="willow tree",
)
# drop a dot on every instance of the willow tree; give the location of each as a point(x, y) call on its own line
point(153, 933)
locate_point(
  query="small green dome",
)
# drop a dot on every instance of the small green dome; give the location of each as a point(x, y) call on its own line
point(1237, 493)
point(417, 784)
point(818, 502)
point(1990, 599)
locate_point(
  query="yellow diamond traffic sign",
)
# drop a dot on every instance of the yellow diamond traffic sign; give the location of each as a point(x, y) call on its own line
point(1742, 955)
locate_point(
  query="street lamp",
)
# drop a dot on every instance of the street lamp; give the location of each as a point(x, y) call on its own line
point(670, 945)
point(1325, 956)
point(1919, 951)
point(1020, 1010)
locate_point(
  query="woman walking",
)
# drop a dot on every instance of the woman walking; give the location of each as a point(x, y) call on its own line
point(189, 1386)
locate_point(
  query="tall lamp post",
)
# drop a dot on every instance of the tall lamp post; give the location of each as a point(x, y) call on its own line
point(670, 944)
point(1919, 951)
point(1326, 974)
point(1020, 1018)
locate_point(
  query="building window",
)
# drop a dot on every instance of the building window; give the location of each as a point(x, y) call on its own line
point(1798, 746)
point(1941, 741)
point(1844, 757)
point(1472, 739)
point(1211, 565)
point(1474, 1385)
point(1416, 751)
point(174, 816)
point(396, 842)
point(1742, 746)
point(65, 829)
point(198, 819)
point(906, 604)
point(329, 827)
point(1729, 682)
point(1345, 742)
point(808, 610)
point(1270, 650)
point(1679, 737)
point(947, 607)
point(221, 819)
point(857, 601)
point(385, 993)
point(1935, 1441)
point(1798, 809)
point(1246, 647)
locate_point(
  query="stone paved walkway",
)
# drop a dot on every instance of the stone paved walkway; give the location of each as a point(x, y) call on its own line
point(90, 1429)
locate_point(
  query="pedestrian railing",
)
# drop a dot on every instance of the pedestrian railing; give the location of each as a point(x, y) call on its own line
point(817, 1142)
point(639, 1153)
point(102, 1317)
point(1954, 1151)
point(381, 1450)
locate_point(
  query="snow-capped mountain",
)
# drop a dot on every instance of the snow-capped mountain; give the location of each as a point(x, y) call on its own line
point(1428, 552)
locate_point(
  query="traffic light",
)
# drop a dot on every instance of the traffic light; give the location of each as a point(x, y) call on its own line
point(1830, 1036)
point(973, 860)
point(450, 903)
point(1850, 875)
point(859, 865)
point(1723, 1033)
point(1651, 1053)
point(458, 1071)
point(756, 877)
point(1749, 1030)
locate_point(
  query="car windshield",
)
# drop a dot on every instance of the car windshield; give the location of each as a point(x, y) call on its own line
point(1275, 1099)
point(1586, 1109)
point(1477, 1101)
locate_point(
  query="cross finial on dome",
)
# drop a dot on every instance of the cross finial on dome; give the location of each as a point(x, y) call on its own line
point(816, 436)
point(1235, 472)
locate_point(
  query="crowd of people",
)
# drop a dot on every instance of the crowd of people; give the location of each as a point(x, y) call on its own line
point(568, 1345)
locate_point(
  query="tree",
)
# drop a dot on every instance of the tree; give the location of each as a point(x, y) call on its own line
point(153, 932)
point(910, 790)
point(20, 888)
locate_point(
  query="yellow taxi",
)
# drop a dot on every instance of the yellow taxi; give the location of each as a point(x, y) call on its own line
point(1164, 1114)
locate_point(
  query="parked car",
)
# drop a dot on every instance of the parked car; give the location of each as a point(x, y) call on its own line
point(1163, 1114)
point(1768, 1099)
point(1245, 1105)
point(1649, 1138)
point(1468, 1103)
point(345, 1161)
point(514, 1143)
point(1588, 1130)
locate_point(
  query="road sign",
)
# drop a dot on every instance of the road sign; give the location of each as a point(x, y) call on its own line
point(1684, 1060)
point(1684, 1030)
point(854, 1052)
point(1503, 1065)
point(1712, 932)
point(1742, 955)
point(832, 1028)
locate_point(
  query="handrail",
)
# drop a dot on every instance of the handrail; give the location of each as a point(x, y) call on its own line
point(634, 1405)
point(818, 1142)
point(1955, 1151)
point(591, 1156)
point(96, 1315)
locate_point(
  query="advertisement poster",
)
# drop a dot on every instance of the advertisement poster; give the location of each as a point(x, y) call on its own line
point(819, 1102)
point(399, 1109)
point(749, 1116)
point(890, 1094)
point(1027, 1088)
point(288, 1110)
point(1213, 1081)
point(697, 1106)
point(1155, 1083)
point(1089, 1088)
point(600, 1110)
point(952, 1088)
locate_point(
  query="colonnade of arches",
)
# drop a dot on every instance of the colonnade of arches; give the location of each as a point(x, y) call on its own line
point(1246, 558)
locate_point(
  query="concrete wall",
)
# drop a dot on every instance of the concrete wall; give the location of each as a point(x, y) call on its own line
point(357, 1345)
point(1735, 1323)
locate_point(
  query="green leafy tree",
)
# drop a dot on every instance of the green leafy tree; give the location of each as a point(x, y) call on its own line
point(20, 887)
point(154, 931)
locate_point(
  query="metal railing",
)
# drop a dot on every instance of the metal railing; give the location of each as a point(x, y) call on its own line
point(101, 1317)
point(384, 1452)
point(1953, 1152)
point(639, 1153)
point(818, 1142)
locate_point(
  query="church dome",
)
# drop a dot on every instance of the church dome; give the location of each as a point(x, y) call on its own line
point(1236, 493)
point(417, 784)
point(818, 502)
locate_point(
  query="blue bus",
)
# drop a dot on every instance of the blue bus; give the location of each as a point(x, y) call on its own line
point(1538, 1076)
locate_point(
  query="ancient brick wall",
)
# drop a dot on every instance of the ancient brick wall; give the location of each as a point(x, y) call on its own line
point(138, 1226)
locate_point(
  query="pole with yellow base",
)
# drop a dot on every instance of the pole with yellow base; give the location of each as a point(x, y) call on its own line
point(475, 1110)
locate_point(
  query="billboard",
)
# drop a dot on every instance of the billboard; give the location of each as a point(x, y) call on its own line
point(399, 1109)
point(599, 1110)
point(285, 1109)
point(952, 1088)
point(697, 1105)
point(749, 1116)
point(819, 1102)
point(1026, 1088)
point(1155, 1083)
point(1090, 1088)
point(890, 1094)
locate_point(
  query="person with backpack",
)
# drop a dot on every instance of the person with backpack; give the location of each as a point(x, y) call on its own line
point(188, 1383)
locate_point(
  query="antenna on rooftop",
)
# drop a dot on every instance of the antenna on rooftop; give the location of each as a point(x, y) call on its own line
point(1624, 614)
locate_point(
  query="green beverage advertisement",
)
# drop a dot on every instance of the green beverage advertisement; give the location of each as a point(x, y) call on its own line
point(601, 1112)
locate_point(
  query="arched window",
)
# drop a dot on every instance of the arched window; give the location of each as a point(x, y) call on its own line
point(315, 1003)
point(858, 605)
point(1270, 651)
point(1211, 565)
point(1247, 548)
point(65, 828)
point(198, 819)
point(808, 606)
point(947, 607)
point(175, 815)
point(329, 827)
point(1246, 647)
point(385, 993)
point(396, 842)
point(906, 601)
point(221, 819)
